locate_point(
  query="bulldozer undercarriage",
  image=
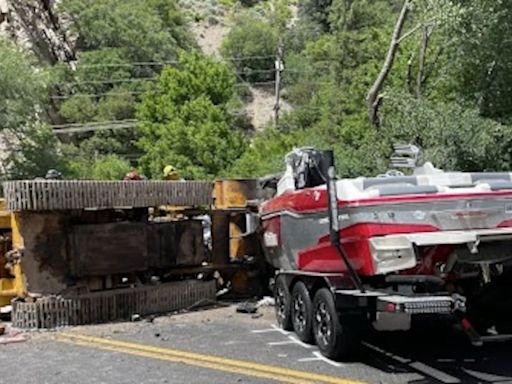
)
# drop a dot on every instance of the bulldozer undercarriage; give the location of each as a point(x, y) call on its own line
point(79, 252)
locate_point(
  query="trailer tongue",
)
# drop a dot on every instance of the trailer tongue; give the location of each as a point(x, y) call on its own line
point(375, 252)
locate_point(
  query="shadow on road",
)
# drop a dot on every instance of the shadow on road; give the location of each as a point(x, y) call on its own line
point(440, 354)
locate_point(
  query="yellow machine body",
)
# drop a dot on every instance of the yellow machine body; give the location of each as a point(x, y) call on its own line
point(12, 281)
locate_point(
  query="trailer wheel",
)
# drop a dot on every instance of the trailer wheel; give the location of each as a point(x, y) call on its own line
point(335, 336)
point(302, 312)
point(283, 304)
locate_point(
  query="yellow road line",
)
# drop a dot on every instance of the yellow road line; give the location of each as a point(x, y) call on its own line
point(192, 362)
point(208, 361)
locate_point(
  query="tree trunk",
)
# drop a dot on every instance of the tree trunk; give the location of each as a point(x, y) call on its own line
point(374, 98)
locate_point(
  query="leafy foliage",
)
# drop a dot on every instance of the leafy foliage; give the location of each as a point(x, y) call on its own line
point(100, 167)
point(22, 87)
point(251, 46)
point(184, 121)
point(32, 151)
point(454, 137)
point(448, 91)
point(28, 148)
point(123, 46)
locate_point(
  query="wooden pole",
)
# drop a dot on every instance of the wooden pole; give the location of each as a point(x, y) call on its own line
point(279, 67)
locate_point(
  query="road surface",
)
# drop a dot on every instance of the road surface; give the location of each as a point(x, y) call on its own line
point(220, 346)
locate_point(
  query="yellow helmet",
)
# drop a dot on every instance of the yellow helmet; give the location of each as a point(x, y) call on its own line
point(170, 173)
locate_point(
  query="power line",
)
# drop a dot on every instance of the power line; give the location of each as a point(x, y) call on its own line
point(109, 81)
point(129, 64)
point(92, 123)
point(93, 126)
point(131, 123)
point(152, 78)
point(163, 62)
point(128, 92)
point(65, 97)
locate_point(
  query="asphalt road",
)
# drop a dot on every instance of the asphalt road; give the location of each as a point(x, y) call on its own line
point(222, 346)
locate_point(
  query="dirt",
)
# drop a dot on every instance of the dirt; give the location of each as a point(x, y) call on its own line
point(209, 37)
point(221, 312)
point(261, 108)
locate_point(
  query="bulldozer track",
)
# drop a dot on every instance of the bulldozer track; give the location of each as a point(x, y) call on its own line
point(118, 304)
point(45, 195)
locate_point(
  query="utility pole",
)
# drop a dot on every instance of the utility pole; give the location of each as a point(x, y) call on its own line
point(279, 67)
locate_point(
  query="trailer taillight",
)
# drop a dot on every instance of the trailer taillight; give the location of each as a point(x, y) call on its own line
point(416, 305)
point(428, 307)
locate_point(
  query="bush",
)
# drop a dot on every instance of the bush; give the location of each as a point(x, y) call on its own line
point(101, 167)
point(250, 46)
point(453, 137)
point(186, 123)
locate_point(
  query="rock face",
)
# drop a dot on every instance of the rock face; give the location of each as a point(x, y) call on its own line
point(34, 23)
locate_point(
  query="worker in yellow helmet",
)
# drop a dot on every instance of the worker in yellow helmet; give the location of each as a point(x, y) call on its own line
point(170, 173)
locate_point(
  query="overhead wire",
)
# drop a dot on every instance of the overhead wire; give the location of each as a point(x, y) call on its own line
point(131, 123)
point(129, 92)
point(152, 78)
point(164, 62)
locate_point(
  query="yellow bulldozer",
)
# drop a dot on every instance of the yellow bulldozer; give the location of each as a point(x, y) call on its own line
point(12, 283)
point(85, 251)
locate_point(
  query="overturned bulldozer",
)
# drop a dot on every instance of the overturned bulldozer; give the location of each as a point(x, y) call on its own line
point(84, 251)
point(90, 251)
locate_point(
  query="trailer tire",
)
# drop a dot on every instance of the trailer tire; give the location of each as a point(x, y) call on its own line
point(336, 336)
point(282, 306)
point(302, 312)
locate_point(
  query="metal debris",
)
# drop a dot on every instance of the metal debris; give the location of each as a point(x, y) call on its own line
point(11, 335)
point(247, 307)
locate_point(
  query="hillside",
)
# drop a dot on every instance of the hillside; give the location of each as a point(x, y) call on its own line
point(116, 85)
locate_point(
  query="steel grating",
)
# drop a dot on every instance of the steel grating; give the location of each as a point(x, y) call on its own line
point(120, 304)
point(45, 195)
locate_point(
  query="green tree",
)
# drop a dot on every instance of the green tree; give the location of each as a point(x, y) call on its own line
point(22, 87)
point(317, 12)
point(480, 56)
point(122, 45)
point(100, 167)
point(185, 120)
point(454, 137)
point(28, 147)
point(250, 46)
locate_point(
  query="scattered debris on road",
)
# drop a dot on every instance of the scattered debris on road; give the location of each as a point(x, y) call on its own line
point(247, 307)
point(9, 335)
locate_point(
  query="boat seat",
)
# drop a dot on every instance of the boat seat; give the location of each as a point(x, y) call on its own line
point(405, 189)
point(483, 177)
point(497, 185)
point(376, 181)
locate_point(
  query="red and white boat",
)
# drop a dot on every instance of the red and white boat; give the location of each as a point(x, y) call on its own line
point(431, 232)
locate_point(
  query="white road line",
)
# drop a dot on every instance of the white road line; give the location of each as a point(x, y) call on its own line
point(291, 340)
point(309, 359)
point(319, 357)
point(274, 328)
point(388, 354)
point(297, 341)
point(279, 329)
point(435, 373)
point(281, 342)
point(264, 330)
point(325, 359)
